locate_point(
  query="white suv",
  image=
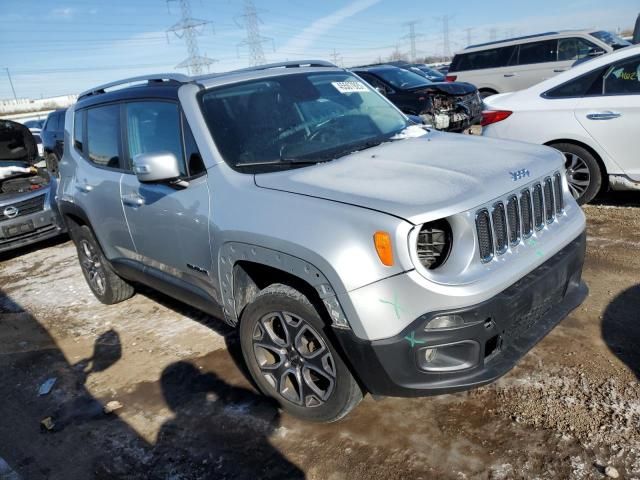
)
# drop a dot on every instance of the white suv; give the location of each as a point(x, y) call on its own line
point(517, 63)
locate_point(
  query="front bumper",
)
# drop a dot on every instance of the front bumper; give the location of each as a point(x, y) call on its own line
point(501, 330)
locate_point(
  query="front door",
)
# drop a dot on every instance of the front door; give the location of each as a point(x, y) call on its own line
point(169, 224)
point(613, 117)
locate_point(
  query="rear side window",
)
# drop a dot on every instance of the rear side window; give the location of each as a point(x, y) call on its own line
point(492, 58)
point(78, 130)
point(538, 52)
point(623, 78)
point(154, 127)
point(103, 136)
point(52, 122)
point(574, 48)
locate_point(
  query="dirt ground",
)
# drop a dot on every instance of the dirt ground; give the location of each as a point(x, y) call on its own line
point(568, 410)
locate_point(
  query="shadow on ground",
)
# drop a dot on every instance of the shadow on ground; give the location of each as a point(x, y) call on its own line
point(618, 199)
point(217, 430)
point(621, 328)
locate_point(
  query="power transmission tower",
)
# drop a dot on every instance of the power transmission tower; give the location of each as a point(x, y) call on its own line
point(11, 83)
point(336, 58)
point(251, 22)
point(446, 44)
point(468, 30)
point(493, 34)
point(189, 28)
point(412, 38)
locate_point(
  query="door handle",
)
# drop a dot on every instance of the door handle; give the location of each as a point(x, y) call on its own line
point(558, 70)
point(603, 115)
point(507, 75)
point(133, 200)
point(84, 187)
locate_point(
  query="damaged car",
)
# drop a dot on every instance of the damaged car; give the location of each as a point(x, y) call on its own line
point(452, 107)
point(27, 192)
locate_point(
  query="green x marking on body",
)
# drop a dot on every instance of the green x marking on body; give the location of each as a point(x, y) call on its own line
point(412, 340)
point(396, 306)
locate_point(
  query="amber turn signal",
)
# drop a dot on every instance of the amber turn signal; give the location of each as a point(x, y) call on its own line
point(382, 241)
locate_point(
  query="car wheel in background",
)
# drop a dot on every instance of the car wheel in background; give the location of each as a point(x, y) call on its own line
point(291, 358)
point(584, 174)
point(105, 284)
point(53, 164)
point(486, 93)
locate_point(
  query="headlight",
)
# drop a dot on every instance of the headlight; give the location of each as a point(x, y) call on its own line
point(434, 243)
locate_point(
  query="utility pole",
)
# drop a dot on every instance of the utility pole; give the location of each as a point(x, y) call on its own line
point(468, 30)
point(11, 83)
point(251, 22)
point(412, 38)
point(336, 58)
point(189, 28)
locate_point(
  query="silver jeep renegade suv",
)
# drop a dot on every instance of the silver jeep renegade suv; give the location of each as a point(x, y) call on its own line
point(354, 250)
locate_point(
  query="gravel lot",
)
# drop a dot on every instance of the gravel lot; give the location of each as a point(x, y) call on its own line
point(568, 410)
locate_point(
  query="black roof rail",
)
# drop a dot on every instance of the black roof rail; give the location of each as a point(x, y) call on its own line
point(495, 42)
point(267, 66)
point(154, 78)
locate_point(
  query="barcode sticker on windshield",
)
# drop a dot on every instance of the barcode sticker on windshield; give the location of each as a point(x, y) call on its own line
point(350, 87)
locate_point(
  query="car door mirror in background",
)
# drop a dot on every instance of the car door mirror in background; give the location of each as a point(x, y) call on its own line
point(156, 167)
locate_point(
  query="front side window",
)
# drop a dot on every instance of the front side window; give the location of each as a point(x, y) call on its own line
point(623, 78)
point(297, 119)
point(537, 52)
point(574, 48)
point(103, 135)
point(78, 129)
point(154, 127)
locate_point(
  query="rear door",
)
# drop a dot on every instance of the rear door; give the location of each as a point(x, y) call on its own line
point(97, 154)
point(612, 118)
point(169, 223)
point(536, 61)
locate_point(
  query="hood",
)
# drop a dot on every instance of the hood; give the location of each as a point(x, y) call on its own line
point(17, 145)
point(420, 179)
point(451, 88)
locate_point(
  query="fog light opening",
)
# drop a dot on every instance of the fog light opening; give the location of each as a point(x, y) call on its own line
point(445, 321)
point(430, 354)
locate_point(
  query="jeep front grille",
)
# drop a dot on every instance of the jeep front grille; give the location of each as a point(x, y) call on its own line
point(516, 217)
point(499, 228)
point(25, 207)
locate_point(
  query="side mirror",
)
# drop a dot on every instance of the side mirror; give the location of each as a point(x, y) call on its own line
point(156, 167)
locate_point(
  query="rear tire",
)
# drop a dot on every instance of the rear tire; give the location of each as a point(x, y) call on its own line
point(291, 358)
point(584, 173)
point(53, 164)
point(103, 281)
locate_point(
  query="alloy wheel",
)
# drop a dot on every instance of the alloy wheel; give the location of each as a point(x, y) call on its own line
point(578, 174)
point(294, 359)
point(91, 264)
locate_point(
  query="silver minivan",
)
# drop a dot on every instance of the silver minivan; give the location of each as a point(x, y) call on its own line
point(517, 63)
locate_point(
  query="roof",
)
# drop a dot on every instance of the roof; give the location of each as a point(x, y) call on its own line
point(167, 84)
point(526, 37)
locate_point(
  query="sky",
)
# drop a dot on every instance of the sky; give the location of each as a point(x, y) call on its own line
point(67, 46)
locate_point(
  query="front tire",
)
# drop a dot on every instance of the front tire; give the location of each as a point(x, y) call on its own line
point(103, 281)
point(584, 175)
point(291, 358)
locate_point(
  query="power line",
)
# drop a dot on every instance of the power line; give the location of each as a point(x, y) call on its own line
point(254, 40)
point(11, 83)
point(189, 28)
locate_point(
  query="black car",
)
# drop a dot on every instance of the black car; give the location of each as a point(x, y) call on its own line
point(421, 69)
point(451, 106)
point(53, 140)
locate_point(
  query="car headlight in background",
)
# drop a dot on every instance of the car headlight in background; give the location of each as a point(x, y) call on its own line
point(434, 243)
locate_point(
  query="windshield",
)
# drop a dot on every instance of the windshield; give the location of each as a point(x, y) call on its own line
point(610, 39)
point(297, 119)
point(400, 78)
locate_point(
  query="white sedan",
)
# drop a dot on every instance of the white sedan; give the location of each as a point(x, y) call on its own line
point(591, 113)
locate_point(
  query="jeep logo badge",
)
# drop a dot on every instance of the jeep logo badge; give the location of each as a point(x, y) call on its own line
point(519, 174)
point(10, 212)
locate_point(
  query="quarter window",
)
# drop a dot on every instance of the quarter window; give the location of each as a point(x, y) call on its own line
point(623, 78)
point(103, 134)
point(537, 52)
point(78, 130)
point(154, 127)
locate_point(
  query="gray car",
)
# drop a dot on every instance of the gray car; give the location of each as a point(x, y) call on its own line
point(354, 251)
point(28, 211)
